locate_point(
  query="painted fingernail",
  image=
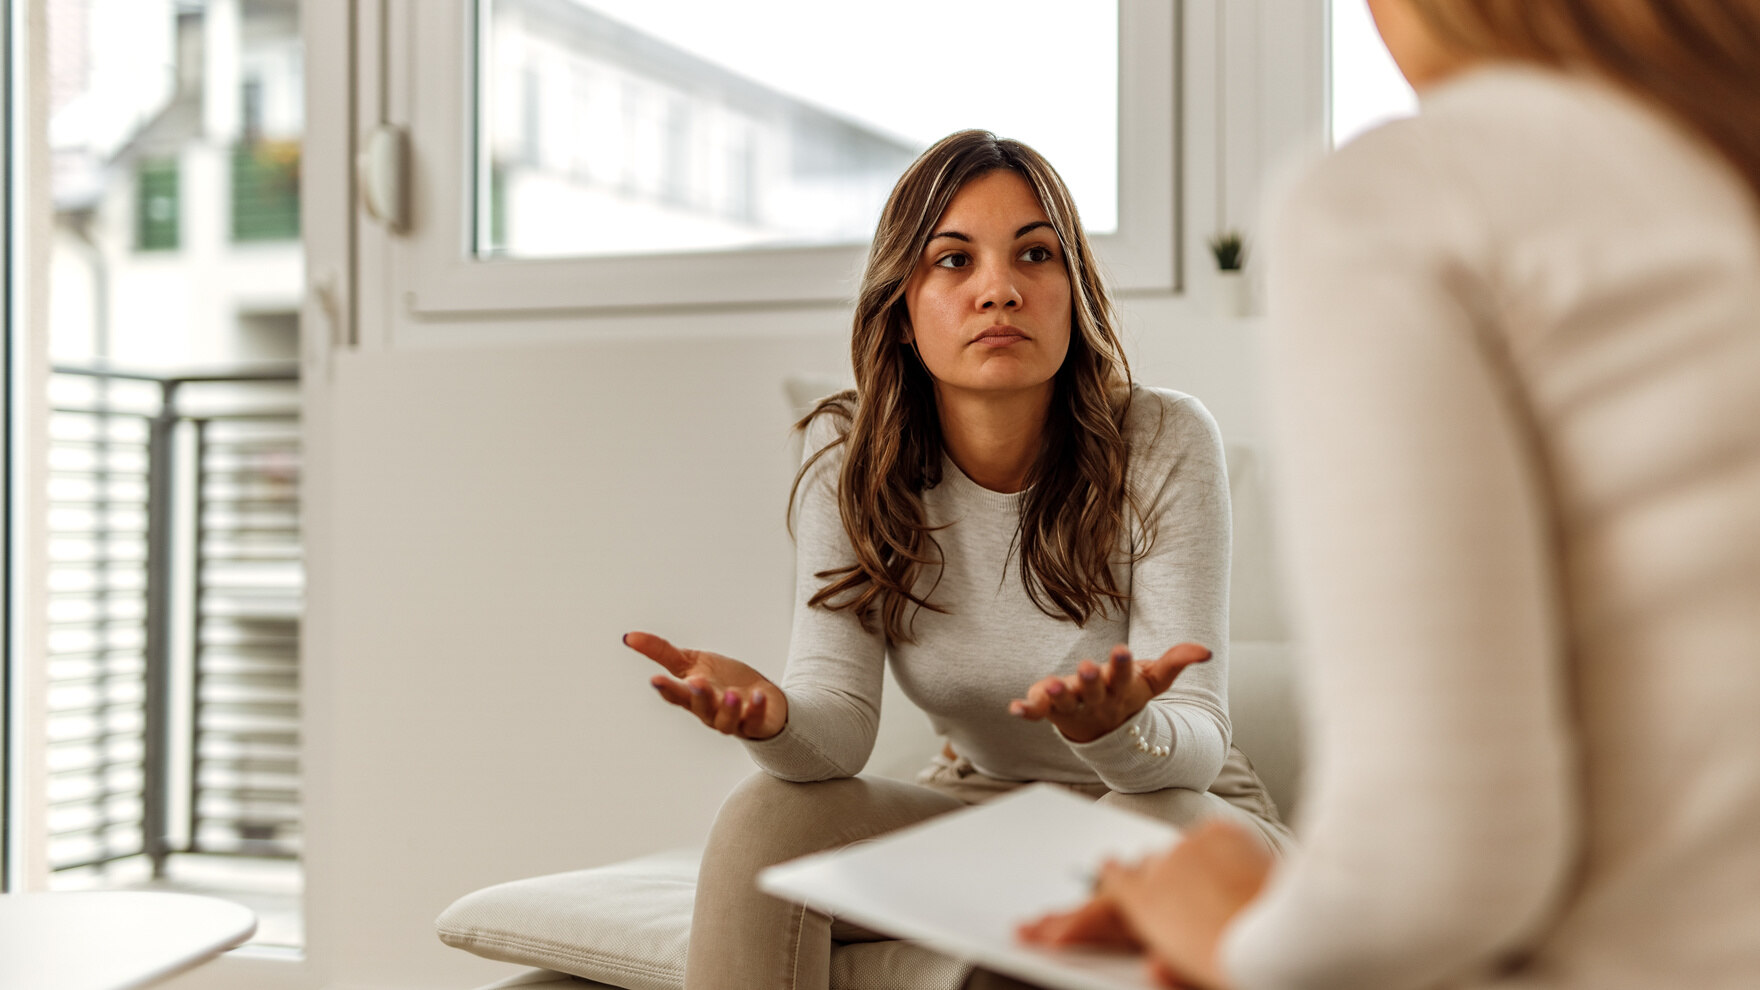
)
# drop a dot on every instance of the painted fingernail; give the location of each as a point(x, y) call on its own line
point(1054, 688)
point(1090, 674)
point(730, 699)
point(625, 638)
point(697, 691)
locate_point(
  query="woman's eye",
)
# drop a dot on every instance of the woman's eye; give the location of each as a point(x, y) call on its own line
point(954, 260)
point(1037, 252)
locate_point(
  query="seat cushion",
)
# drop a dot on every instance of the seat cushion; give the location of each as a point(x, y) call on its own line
point(627, 925)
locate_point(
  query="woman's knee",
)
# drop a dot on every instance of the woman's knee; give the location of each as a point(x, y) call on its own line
point(983, 979)
point(1181, 807)
point(786, 819)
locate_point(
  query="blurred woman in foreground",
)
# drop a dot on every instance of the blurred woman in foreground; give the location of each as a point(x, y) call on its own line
point(1517, 381)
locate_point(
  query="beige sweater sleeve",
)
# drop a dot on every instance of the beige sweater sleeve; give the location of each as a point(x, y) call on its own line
point(835, 667)
point(1440, 794)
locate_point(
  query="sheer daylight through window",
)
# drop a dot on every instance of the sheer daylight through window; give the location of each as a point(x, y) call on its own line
point(1367, 88)
point(662, 126)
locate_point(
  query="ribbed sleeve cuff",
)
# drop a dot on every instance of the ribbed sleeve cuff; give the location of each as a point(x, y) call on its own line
point(1136, 750)
point(788, 755)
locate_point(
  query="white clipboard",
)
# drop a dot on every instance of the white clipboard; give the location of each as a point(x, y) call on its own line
point(961, 883)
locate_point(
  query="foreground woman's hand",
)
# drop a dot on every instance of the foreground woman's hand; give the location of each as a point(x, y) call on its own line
point(728, 696)
point(1097, 699)
point(1175, 905)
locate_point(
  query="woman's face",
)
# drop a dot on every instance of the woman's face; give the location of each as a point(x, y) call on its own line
point(989, 301)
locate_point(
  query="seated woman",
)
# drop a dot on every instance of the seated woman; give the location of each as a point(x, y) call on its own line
point(993, 506)
point(1515, 365)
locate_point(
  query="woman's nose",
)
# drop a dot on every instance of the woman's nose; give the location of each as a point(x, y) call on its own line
point(998, 290)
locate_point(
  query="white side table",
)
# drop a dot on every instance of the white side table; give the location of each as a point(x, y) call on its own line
point(112, 940)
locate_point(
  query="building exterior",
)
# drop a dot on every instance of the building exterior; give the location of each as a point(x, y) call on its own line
point(174, 134)
point(602, 139)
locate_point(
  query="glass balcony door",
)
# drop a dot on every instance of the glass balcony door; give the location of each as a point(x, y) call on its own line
point(168, 754)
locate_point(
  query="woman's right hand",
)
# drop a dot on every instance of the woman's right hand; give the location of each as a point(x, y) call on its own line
point(1176, 904)
point(1096, 700)
point(726, 695)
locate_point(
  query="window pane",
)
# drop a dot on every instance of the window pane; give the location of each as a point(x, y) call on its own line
point(171, 591)
point(640, 126)
point(1367, 88)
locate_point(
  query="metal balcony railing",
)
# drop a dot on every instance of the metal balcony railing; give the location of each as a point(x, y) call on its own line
point(175, 586)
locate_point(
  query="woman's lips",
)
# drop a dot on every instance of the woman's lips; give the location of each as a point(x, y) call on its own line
point(999, 337)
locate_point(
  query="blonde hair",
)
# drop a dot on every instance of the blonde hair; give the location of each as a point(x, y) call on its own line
point(1073, 512)
point(1698, 60)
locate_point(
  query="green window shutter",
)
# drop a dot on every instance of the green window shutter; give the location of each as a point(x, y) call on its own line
point(497, 210)
point(265, 191)
point(157, 206)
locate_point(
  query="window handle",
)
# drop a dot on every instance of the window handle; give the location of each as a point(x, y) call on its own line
point(383, 175)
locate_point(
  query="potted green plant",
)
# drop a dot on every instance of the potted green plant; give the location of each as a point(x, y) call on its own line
point(1229, 247)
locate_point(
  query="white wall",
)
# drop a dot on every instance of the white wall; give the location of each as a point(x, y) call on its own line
point(484, 522)
point(507, 516)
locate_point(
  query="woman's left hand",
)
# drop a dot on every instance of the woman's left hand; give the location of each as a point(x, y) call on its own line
point(1175, 905)
point(1097, 699)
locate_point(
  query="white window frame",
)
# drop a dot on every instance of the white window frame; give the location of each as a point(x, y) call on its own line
point(11, 712)
point(429, 49)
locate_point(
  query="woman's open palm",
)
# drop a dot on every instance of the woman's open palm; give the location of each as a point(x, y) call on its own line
point(1097, 699)
point(725, 694)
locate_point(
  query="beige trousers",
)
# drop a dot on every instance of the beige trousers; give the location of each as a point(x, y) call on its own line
point(743, 939)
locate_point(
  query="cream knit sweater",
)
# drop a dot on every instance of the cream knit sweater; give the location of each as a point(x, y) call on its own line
point(992, 643)
point(1517, 384)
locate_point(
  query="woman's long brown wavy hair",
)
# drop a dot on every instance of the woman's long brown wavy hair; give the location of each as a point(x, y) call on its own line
point(1073, 511)
point(1699, 60)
